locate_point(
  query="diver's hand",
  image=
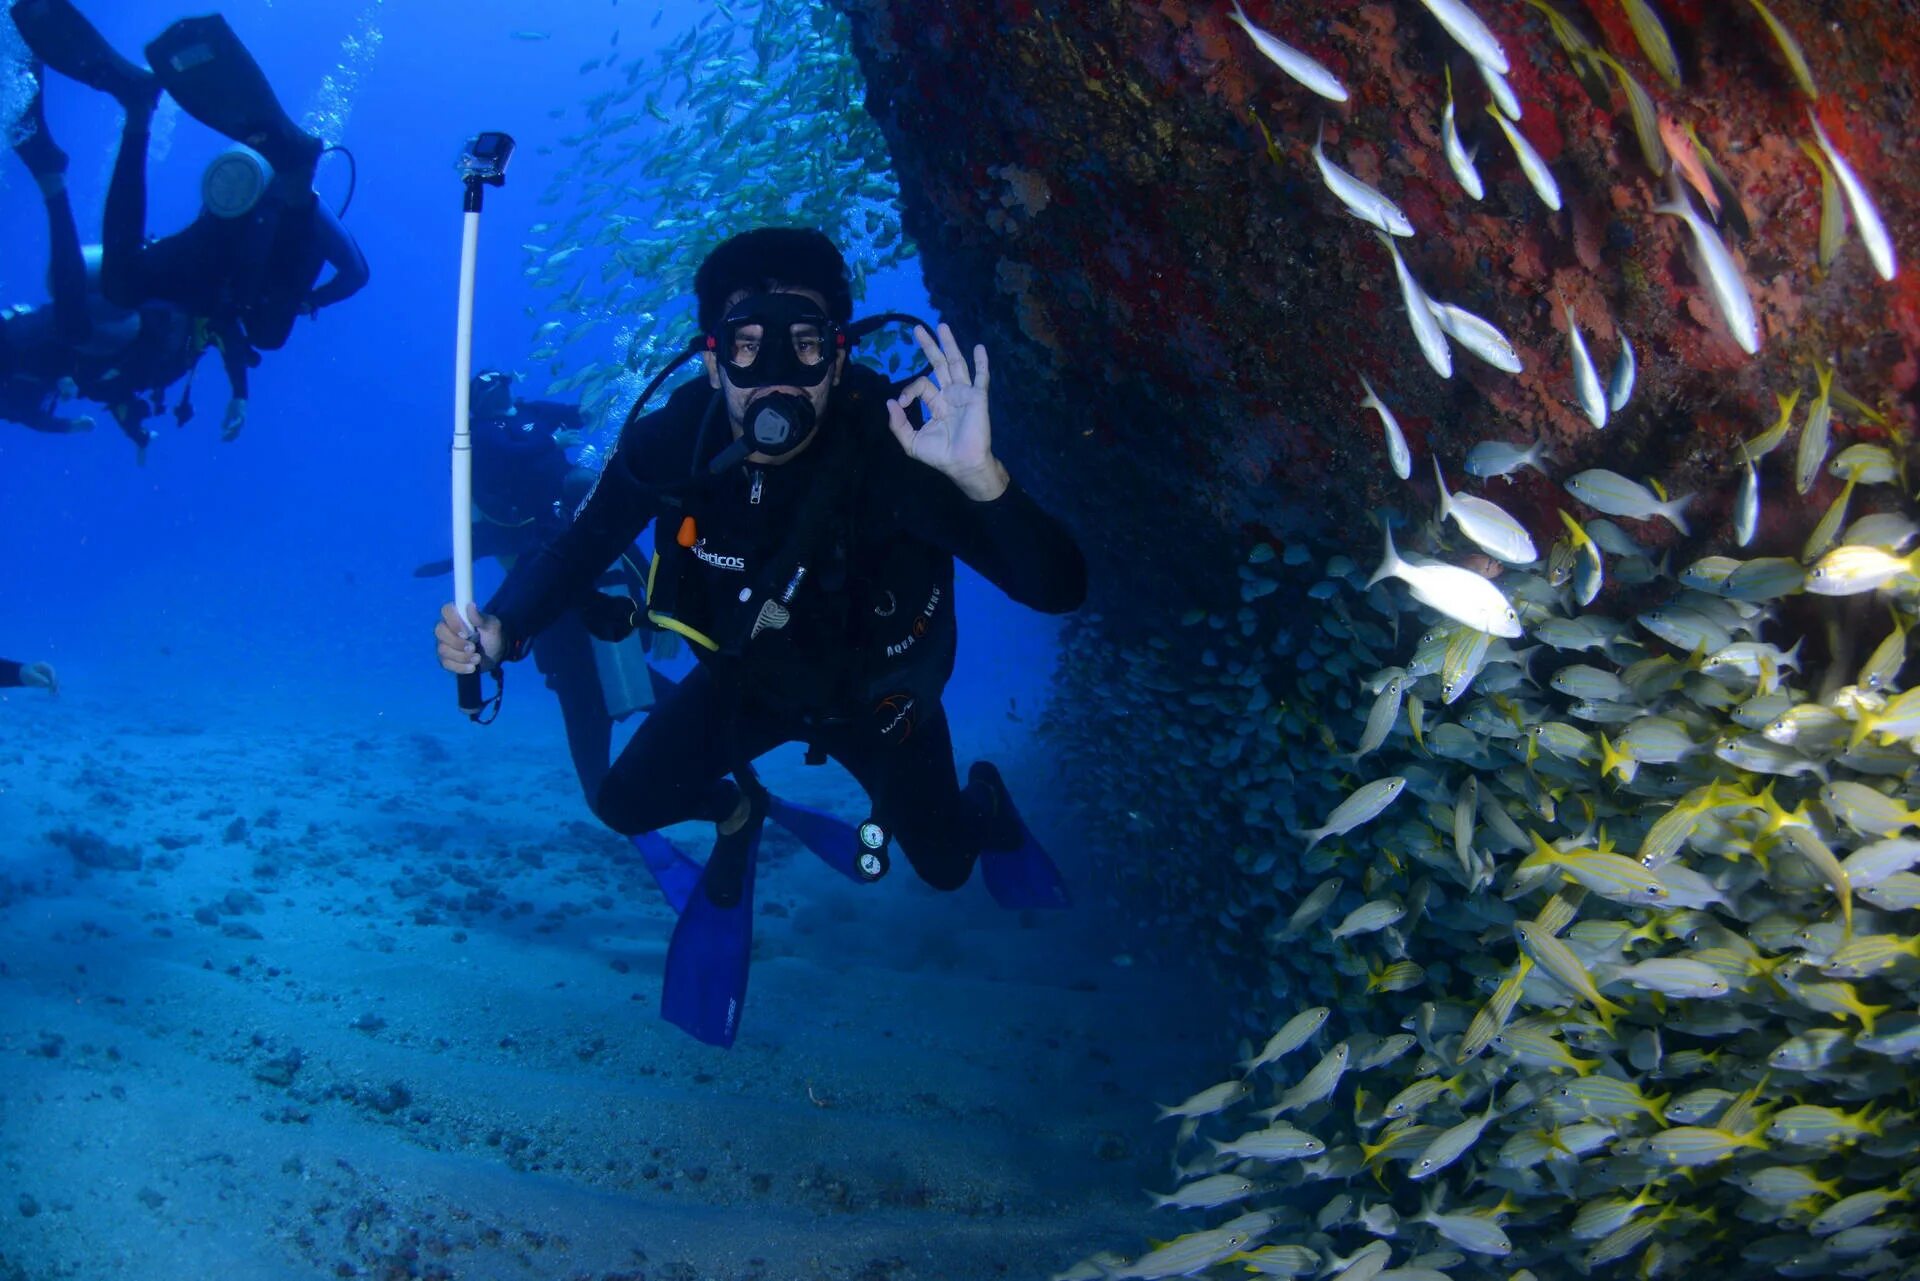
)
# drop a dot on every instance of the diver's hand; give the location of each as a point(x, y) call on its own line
point(40, 676)
point(457, 652)
point(955, 437)
point(236, 418)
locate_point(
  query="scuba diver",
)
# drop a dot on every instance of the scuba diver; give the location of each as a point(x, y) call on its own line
point(806, 530)
point(247, 266)
point(525, 492)
point(28, 675)
point(79, 345)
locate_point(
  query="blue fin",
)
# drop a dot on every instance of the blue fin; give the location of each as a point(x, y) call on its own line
point(834, 841)
point(673, 872)
point(707, 962)
point(1022, 876)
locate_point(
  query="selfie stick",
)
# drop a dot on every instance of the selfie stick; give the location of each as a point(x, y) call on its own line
point(484, 164)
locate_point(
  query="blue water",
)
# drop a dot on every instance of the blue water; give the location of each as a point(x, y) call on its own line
point(238, 635)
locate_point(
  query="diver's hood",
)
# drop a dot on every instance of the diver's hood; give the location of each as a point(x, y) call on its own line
point(235, 182)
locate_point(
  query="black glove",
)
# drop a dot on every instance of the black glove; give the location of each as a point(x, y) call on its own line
point(609, 618)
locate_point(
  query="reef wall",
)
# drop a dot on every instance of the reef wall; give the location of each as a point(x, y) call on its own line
point(1178, 309)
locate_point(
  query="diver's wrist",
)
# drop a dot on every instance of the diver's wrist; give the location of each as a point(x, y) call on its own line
point(984, 483)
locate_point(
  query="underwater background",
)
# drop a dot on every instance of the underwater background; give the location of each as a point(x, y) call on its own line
point(1528, 890)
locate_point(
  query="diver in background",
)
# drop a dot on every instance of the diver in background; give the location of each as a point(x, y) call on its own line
point(28, 675)
point(524, 494)
point(250, 261)
point(79, 344)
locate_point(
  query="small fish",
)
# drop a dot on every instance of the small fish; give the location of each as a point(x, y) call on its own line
point(1368, 918)
point(1397, 452)
point(1610, 492)
point(1746, 507)
point(1492, 458)
point(1469, 1231)
point(1673, 976)
point(1362, 201)
point(1653, 40)
point(1276, 1143)
point(1557, 959)
point(1538, 175)
point(1290, 60)
point(1382, 718)
point(1890, 531)
point(1724, 281)
point(1460, 594)
point(530, 35)
point(1309, 911)
point(1496, 533)
point(1833, 208)
point(1362, 806)
point(1216, 1098)
point(1796, 60)
point(1816, 434)
point(1849, 570)
point(1426, 329)
point(1457, 158)
point(1478, 336)
point(1194, 1252)
point(1888, 657)
point(1317, 1084)
point(1868, 464)
point(1206, 1194)
point(1828, 527)
point(1451, 1145)
point(1465, 26)
point(1691, 1145)
point(1769, 440)
point(1873, 231)
point(1854, 1210)
point(1293, 1034)
point(1620, 385)
point(1586, 379)
point(1499, 90)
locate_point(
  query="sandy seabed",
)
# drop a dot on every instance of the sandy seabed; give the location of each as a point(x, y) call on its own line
point(338, 995)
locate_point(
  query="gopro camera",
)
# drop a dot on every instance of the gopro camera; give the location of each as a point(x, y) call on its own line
point(485, 159)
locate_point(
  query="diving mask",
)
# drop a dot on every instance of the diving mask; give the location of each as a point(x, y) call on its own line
point(777, 340)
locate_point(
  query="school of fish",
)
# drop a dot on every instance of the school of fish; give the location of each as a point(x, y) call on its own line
point(684, 146)
point(1587, 919)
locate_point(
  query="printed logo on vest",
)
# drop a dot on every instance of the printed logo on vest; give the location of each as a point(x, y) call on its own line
point(718, 561)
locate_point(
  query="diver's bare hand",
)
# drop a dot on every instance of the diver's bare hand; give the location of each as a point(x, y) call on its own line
point(955, 437)
point(457, 652)
point(40, 676)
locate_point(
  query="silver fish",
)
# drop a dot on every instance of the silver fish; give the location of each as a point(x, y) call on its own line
point(1361, 200)
point(1497, 533)
point(1360, 807)
point(1426, 329)
point(1538, 175)
point(1478, 336)
point(1586, 379)
point(1724, 281)
point(1397, 452)
point(1873, 231)
point(1457, 158)
point(1746, 508)
point(1620, 385)
point(1290, 60)
point(1473, 35)
point(1492, 458)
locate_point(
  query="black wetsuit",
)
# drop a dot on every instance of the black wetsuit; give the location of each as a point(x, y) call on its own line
point(249, 277)
point(858, 670)
point(124, 360)
point(10, 674)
